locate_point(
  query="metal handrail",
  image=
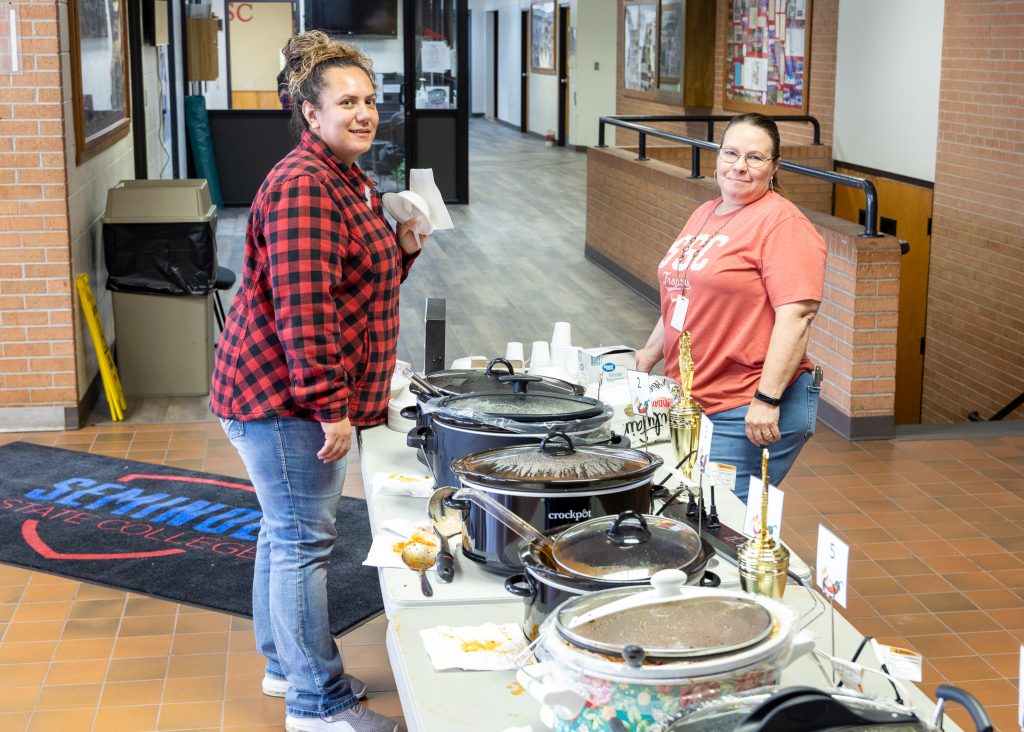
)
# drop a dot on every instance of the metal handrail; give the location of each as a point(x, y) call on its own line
point(710, 119)
point(627, 122)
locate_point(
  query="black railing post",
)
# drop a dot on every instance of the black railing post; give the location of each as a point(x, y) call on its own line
point(600, 132)
point(695, 162)
point(870, 210)
point(642, 152)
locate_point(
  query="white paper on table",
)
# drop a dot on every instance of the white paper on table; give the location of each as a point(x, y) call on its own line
point(421, 181)
point(386, 549)
point(723, 476)
point(406, 529)
point(639, 391)
point(752, 520)
point(833, 563)
point(707, 428)
point(487, 647)
point(402, 484)
point(902, 663)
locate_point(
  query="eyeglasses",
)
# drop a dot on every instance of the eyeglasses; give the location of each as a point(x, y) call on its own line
point(754, 159)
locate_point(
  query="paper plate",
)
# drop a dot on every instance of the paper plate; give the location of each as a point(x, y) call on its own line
point(408, 205)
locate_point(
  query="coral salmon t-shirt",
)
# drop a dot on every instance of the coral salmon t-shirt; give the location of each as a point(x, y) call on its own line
point(736, 269)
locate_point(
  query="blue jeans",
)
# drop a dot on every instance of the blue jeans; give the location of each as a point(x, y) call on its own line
point(797, 416)
point(299, 496)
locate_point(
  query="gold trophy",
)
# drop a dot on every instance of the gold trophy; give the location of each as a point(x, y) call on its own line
point(762, 561)
point(684, 415)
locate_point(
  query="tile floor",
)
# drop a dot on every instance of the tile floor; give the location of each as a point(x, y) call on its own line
point(76, 657)
point(936, 529)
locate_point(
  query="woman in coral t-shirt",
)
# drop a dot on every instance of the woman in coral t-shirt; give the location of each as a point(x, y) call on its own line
point(745, 278)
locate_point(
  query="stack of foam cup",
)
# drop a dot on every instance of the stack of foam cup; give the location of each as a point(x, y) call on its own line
point(540, 355)
point(561, 342)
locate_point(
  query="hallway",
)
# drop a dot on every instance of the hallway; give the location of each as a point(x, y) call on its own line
point(936, 527)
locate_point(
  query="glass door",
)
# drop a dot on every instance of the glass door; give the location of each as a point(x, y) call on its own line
point(437, 92)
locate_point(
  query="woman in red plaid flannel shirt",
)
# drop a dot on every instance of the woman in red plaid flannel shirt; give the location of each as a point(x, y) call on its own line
point(307, 352)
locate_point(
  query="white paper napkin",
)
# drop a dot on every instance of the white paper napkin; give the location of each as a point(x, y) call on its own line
point(487, 647)
point(386, 549)
point(421, 181)
point(402, 484)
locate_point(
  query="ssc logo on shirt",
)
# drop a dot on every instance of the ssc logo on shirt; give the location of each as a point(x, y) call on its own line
point(688, 252)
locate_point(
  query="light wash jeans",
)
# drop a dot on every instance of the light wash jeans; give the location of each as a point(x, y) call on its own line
point(797, 416)
point(299, 496)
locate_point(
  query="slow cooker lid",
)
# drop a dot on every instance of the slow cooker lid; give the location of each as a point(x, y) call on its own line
point(625, 548)
point(525, 407)
point(556, 461)
point(682, 627)
point(499, 376)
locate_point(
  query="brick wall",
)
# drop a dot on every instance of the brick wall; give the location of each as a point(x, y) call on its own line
point(37, 354)
point(803, 191)
point(49, 231)
point(636, 209)
point(975, 294)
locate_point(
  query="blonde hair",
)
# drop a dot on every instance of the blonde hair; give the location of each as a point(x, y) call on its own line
point(307, 56)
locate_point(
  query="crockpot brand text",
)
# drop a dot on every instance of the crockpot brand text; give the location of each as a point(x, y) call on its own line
point(569, 515)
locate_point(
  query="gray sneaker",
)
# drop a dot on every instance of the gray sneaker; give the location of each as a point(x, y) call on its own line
point(353, 719)
point(273, 686)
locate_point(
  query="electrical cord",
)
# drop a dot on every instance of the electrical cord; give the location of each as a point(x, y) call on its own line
point(671, 499)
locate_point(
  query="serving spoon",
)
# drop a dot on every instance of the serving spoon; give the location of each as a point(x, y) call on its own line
point(420, 557)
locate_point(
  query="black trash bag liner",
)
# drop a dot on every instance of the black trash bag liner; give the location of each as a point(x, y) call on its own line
point(170, 258)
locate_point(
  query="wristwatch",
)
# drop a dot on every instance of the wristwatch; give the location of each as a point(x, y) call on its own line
point(761, 396)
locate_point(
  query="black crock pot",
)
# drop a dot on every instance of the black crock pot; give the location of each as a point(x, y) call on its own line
point(548, 485)
point(463, 424)
point(602, 553)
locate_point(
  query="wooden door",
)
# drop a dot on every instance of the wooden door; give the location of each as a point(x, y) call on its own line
point(905, 209)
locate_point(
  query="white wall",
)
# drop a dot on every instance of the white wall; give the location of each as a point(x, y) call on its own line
point(509, 21)
point(591, 91)
point(477, 59)
point(509, 43)
point(888, 61)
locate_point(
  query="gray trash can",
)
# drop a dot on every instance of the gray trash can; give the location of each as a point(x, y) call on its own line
point(160, 251)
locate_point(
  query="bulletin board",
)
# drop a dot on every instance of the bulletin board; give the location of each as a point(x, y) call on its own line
point(767, 63)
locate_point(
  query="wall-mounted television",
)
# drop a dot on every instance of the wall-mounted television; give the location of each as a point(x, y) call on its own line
point(353, 17)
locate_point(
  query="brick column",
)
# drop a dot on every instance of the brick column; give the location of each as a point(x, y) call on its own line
point(37, 351)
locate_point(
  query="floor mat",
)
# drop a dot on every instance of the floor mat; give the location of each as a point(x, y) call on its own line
point(162, 531)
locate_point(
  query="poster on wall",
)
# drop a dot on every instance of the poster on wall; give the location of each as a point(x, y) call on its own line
point(670, 43)
point(641, 26)
point(542, 36)
point(767, 55)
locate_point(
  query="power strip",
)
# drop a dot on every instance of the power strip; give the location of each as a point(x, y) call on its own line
point(724, 539)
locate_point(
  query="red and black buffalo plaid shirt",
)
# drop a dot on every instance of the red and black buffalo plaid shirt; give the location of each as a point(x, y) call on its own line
point(313, 330)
